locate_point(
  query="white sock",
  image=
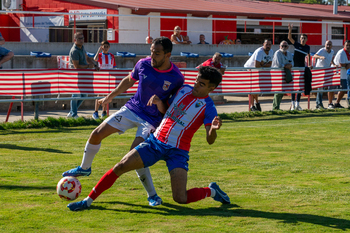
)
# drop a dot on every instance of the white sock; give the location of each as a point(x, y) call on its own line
point(88, 201)
point(297, 103)
point(213, 192)
point(293, 103)
point(146, 179)
point(89, 155)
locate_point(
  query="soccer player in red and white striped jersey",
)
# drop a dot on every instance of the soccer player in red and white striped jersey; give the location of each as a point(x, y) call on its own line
point(189, 109)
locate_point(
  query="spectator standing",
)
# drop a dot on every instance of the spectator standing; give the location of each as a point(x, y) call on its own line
point(78, 59)
point(215, 62)
point(177, 38)
point(281, 59)
point(5, 54)
point(105, 60)
point(202, 39)
point(342, 59)
point(325, 57)
point(261, 58)
point(300, 51)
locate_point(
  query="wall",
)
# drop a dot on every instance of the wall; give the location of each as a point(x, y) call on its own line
point(225, 27)
point(312, 28)
point(195, 27)
point(135, 29)
point(167, 25)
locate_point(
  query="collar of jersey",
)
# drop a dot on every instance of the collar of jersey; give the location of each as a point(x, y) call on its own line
point(165, 71)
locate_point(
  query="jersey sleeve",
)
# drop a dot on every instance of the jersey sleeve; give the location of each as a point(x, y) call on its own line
point(210, 114)
point(259, 56)
point(135, 72)
point(113, 58)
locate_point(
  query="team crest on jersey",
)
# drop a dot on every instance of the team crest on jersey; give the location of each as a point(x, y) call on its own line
point(118, 118)
point(166, 85)
point(199, 103)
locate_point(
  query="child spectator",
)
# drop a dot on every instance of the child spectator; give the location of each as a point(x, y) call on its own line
point(106, 61)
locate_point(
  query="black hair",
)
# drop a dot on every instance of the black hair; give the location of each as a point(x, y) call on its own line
point(165, 42)
point(105, 42)
point(304, 35)
point(268, 40)
point(347, 41)
point(211, 74)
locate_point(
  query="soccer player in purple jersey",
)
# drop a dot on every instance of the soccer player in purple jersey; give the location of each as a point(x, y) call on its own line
point(189, 109)
point(156, 76)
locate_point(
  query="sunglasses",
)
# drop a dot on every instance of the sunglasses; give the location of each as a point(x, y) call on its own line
point(80, 38)
point(284, 46)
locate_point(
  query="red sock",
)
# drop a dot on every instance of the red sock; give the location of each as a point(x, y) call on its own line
point(197, 194)
point(103, 184)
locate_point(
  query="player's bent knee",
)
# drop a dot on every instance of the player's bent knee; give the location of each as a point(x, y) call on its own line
point(181, 199)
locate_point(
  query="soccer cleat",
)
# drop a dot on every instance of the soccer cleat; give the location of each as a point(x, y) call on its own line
point(337, 105)
point(154, 200)
point(78, 171)
point(330, 106)
point(95, 115)
point(80, 205)
point(298, 108)
point(220, 195)
point(104, 114)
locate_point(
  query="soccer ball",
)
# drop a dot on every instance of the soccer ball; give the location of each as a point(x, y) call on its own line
point(69, 188)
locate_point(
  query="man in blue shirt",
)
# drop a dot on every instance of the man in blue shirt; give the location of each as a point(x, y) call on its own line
point(156, 76)
point(5, 54)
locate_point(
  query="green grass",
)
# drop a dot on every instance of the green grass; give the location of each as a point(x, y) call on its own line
point(283, 173)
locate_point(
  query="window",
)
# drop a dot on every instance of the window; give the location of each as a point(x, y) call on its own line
point(337, 33)
point(61, 34)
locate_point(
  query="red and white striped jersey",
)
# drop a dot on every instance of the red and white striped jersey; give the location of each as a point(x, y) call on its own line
point(106, 61)
point(183, 118)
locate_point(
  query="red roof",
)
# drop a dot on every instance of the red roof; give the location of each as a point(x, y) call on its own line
point(248, 8)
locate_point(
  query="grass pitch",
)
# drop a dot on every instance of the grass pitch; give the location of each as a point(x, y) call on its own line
point(286, 173)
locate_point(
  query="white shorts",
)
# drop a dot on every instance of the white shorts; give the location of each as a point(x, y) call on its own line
point(125, 119)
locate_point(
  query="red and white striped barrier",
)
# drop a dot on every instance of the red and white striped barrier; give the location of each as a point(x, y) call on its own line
point(68, 81)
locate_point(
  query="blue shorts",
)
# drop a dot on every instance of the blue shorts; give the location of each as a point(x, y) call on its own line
point(3, 51)
point(152, 150)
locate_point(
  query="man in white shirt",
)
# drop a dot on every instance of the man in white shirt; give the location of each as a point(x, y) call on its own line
point(342, 59)
point(325, 57)
point(281, 59)
point(262, 57)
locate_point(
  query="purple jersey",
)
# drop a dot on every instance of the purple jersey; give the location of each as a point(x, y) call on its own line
point(152, 81)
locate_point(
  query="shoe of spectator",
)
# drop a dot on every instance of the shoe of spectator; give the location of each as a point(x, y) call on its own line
point(319, 107)
point(95, 115)
point(253, 109)
point(69, 115)
point(292, 108)
point(104, 114)
point(154, 200)
point(330, 106)
point(298, 108)
point(348, 102)
point(258, 106)
point(337, 105)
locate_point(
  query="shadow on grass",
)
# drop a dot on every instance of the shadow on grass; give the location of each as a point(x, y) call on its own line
point(26, 148)
point(22, 187)
point(233, 210)
point(29, 131)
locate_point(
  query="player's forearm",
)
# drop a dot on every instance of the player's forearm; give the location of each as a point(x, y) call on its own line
point(211, 137)
point(124, 85)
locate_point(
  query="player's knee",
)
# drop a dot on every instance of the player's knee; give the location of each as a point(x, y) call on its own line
point(180, 198)
point(96, 136)
point(11, 54)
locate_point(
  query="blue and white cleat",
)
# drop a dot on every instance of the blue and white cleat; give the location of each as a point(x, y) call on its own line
point(76, 206)
point(78, 171)
point(154, 200)
point(220, 195)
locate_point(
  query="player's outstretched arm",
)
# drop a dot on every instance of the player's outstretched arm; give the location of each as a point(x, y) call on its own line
point(211, 130)
point(124, 85)
point(162, 107)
